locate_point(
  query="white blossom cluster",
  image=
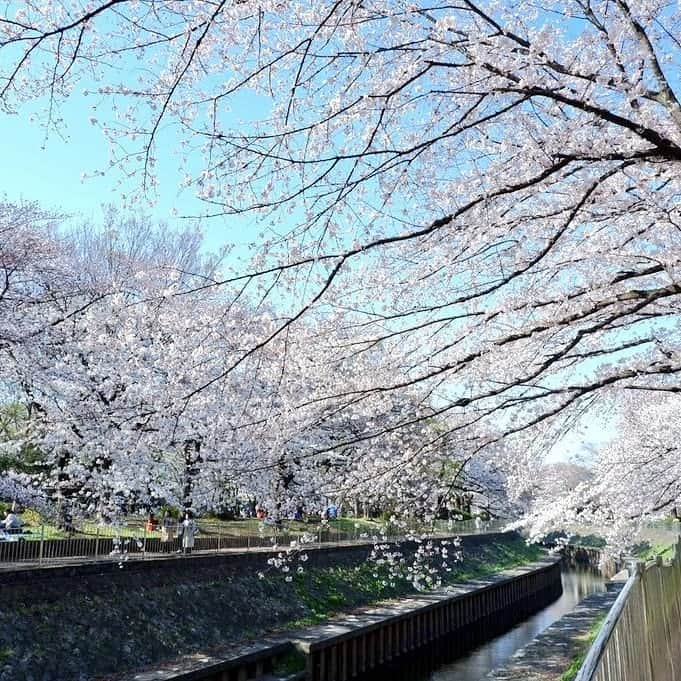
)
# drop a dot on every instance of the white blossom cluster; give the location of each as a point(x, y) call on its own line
point(466, 232)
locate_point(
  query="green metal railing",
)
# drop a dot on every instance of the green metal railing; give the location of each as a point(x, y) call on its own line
point(134, 540)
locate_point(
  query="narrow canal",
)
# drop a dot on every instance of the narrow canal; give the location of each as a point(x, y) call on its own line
point(470, 660)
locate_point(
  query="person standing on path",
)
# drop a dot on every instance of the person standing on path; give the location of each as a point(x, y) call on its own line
point(12, 521)
point(189, 531)
point(167, 531)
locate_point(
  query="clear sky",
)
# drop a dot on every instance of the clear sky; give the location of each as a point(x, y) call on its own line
point(48, 167)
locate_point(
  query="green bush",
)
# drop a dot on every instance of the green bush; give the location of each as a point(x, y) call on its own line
point(31, 517)
point(173, 511)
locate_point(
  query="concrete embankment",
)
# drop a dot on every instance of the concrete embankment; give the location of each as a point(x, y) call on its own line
point(94, 621)
point(360, 643)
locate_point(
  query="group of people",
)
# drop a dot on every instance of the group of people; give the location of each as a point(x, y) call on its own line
point(185, 529)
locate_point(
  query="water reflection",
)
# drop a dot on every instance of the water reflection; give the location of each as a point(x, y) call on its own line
point(446, 661)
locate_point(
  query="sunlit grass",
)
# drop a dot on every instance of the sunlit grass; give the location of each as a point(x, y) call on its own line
point(585, 641)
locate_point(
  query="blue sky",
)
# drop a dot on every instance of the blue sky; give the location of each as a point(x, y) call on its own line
point(47, 167)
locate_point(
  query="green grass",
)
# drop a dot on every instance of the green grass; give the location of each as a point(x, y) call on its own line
point(646, 551)
point(570, 674)
point(585, 642)
point(325, 592)
point(288, 530)
point(493, 558)
point(248, 527)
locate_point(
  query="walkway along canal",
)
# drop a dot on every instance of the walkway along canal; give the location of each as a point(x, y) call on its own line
point(641, 638)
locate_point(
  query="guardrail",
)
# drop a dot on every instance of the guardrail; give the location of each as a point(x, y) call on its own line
point(640, 639)
point(135, 541)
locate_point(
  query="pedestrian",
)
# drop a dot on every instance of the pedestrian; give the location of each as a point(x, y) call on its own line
point(151, 522)
point(189, 531)
point(167, 531)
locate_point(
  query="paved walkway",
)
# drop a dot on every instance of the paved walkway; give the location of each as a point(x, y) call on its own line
point(548, 656)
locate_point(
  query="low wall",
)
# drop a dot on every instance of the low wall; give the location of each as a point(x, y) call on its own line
point(50, 583)
point(103, 577)
point(349, 650)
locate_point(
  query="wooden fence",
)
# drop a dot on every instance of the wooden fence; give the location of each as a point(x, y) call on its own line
point(640, 639)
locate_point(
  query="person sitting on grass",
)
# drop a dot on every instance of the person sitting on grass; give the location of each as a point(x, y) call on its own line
point(12, 522)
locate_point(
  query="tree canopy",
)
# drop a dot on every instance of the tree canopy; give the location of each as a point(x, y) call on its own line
point(478, 199)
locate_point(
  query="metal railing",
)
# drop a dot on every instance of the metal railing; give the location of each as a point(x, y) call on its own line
point(135, 540)
point(640, 639)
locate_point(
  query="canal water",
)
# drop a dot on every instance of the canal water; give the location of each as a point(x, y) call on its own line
point(577, 584)
point(444, 661)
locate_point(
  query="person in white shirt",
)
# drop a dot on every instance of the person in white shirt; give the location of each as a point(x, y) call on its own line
point(12, 521)
point(189, 531)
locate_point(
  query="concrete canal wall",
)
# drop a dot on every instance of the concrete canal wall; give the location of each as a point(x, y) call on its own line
point(357, 645)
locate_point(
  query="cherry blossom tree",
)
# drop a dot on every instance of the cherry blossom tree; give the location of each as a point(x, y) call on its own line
point(486, 192)
point(34, 281)
point(632, 484)
point(134, 404)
